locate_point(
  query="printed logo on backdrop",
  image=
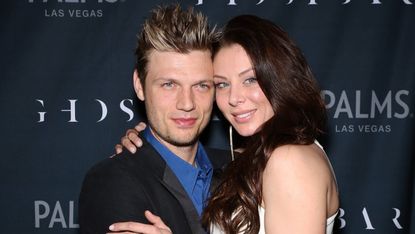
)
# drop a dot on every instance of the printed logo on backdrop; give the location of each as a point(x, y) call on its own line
point(366, 111)
point(394, 215)
point(70, 111)
point(369, 108)
point(73, 8)
point(58, 214)
point(61, 214)
point(309, 2)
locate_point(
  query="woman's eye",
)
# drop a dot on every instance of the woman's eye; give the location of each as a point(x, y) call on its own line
point(250, 80)
point(221, 85)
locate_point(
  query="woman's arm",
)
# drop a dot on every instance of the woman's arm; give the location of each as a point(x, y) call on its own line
point(131, 141)
point(157, 226)
point(295, 187)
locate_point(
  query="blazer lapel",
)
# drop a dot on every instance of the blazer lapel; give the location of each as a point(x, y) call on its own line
point(171, 182)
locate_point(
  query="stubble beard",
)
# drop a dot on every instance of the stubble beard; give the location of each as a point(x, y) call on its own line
point(189, 139)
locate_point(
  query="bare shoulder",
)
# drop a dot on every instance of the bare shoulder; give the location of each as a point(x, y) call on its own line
point(295, 164)
point(307, 157)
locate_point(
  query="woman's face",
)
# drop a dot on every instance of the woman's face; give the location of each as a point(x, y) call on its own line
point(238, 94)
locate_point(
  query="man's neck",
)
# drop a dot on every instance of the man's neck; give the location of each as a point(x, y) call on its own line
point(187, 153)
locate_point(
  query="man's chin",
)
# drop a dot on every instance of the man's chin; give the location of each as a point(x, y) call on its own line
point(183, 142)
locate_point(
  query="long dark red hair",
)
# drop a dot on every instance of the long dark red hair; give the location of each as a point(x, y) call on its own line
point(286, 80)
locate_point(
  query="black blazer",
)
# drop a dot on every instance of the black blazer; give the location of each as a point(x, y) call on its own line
point(122, 188)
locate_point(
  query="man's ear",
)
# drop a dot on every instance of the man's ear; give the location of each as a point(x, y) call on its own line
point(138, 87)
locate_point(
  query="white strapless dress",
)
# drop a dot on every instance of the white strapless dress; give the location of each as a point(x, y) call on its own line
point(329, 224)
point(214, 229)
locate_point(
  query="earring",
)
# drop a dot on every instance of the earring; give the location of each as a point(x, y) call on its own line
point(231, 142)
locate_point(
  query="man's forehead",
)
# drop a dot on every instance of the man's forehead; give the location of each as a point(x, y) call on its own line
point(196, 63)
point(161, 54)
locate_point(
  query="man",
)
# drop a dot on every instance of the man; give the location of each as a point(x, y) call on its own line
point(171, 173)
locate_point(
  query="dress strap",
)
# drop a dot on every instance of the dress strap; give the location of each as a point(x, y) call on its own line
point(328, 161)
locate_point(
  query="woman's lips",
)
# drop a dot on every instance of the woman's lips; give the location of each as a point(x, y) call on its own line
point(243, 116)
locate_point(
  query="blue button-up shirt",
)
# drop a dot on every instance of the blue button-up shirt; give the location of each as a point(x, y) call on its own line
point(195, 180)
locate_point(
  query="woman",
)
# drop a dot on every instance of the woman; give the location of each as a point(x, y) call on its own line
point(282, 181)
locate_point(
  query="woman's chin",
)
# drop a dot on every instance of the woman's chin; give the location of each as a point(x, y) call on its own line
point(245, 132)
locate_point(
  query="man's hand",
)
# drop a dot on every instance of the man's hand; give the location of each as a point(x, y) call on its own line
point(157, 226)
point(131, 141)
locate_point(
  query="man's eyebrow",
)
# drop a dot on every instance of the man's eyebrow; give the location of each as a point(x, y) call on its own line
point(178, 81)
point(204, 81)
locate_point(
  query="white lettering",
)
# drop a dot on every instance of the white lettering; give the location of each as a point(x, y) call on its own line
point(41, 114)
point(104, 110)
point(343, 106)
point(72, 110)
point(358, 102)
point(387, 103)
point(57, 216)
point(42, 211)
point(127, 110)
point(71, 216)
point(367, 220)
point(344, 128)
point(331, 96)
point(340, 217)
point(38, 215)
point(395, 220)
point(401, 103)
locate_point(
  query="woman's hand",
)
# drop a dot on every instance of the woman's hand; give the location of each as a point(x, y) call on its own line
point(131, 141)
point(157, 226)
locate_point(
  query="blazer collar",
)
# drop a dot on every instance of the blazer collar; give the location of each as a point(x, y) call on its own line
point(172, 184)
point(169, 180)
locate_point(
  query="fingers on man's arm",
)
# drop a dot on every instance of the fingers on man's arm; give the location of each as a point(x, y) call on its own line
point(131, 141)
point(132, 136)
point(134, 227)
point(140, 127)
point(156, 220)
point(118, 149)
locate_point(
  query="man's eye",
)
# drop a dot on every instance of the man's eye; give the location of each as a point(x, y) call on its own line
point(204, 86)
point(168, 84)
point(221, 85)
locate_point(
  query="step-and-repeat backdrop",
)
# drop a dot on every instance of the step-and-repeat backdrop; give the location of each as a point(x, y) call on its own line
point(66, 98)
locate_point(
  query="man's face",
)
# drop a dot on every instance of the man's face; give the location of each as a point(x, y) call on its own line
point(178, 95)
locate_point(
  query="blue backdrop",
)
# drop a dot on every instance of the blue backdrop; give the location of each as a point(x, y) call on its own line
point(66, 98)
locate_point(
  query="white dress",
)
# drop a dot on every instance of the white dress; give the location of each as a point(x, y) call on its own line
point(214, 229)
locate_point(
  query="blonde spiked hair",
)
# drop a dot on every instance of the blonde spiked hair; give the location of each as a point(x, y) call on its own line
point(169, 28)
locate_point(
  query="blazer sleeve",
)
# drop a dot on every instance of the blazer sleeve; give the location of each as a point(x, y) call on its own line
point(109, 194)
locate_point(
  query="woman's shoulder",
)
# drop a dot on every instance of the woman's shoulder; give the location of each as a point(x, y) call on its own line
point(299, 154)
point(307, 162)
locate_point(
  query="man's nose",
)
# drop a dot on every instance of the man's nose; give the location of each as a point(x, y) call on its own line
point(185, 100)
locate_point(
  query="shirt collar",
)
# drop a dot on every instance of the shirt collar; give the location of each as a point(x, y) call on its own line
point(185, 172)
